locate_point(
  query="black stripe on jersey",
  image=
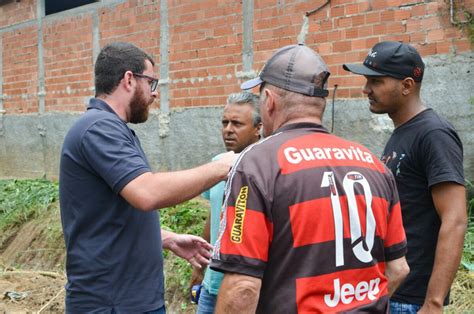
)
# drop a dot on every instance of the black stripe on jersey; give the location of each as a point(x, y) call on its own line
point(244, 265)
point(320, 259)
point(295, 186)
point(396, 251)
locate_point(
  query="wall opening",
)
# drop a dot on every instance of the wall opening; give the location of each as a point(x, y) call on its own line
point(55, 6)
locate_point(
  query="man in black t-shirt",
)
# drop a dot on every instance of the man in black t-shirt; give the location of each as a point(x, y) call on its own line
point(425, 155)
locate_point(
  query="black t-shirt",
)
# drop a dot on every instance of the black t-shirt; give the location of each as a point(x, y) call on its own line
point(422, 152)
point(114, 255)
point(315, 217)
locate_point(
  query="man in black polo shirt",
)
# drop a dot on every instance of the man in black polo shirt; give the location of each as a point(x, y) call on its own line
point(425, 155)
point(108, 195)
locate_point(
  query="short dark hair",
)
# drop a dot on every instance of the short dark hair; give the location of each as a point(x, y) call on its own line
point(243, 98)
point(113, 61)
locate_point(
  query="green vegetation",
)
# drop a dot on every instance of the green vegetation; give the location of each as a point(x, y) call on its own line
point(468, 253)
point(189, 218)
point(22, 200)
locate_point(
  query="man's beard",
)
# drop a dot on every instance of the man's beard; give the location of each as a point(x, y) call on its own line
point(139, 107)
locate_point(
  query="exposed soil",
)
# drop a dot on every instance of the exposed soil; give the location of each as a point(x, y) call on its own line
point(32, 274)
point(32, 292)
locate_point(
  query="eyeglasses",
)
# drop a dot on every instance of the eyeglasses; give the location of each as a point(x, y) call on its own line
point(151, 80)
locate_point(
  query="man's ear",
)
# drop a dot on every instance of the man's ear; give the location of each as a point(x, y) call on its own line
point(258, 129)
point(408, 86)
point(128, 81)
point(269, 104)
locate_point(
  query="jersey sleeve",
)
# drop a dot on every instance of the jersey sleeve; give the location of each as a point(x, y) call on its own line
point(395, 243)
point(246, 228)
point(442, 157)
point(111, 151)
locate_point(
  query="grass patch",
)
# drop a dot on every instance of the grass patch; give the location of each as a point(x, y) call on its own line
point(468, 253)
point(188, 217)
point(22, 200)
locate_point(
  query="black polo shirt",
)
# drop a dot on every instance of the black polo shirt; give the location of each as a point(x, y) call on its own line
point(114, 251)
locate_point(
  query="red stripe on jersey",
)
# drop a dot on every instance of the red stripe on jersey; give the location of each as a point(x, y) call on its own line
point(255, 238)
point(324, 150)
point(341, 291)
point(396, 232)
point(313, 221)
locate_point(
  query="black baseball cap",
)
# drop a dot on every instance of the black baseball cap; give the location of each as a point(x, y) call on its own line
point(391, 58)
point(295, 68)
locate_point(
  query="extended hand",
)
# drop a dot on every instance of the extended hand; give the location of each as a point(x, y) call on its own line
point(226, 161)
point(192, 248)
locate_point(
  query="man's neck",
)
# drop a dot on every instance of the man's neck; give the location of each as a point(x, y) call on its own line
point(315, 120)
point(115, 105)
point(407, 112)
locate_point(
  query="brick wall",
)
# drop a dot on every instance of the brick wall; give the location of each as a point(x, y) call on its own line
point(14, 12)
point(68, 63)
point(20, 70)
point(205, 43)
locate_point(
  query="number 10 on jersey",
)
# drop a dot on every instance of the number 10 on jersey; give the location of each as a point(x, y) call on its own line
point(361, 245)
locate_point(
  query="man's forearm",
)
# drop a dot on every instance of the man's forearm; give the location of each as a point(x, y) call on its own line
point(447, 258)
point(206, 233)
point(151, 191)
point(166, 238)
point(396, 271)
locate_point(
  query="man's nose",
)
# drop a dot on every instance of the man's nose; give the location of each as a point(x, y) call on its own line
point(229, 128)
point(366, 89)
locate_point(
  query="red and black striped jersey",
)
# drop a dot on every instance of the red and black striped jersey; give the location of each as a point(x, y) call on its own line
point(315, 217)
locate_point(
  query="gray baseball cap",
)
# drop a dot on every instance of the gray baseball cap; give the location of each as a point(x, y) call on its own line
point(295, 68)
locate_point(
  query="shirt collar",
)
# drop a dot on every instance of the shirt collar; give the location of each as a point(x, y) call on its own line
point(99, 104)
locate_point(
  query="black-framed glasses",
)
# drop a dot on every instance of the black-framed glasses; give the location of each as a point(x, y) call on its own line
point(151, 80)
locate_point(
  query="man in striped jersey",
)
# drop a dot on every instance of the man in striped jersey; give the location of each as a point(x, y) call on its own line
point(312, 222)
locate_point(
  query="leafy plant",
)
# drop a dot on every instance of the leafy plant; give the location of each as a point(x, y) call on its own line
point(21, 200)
point(188, 217)
point(468, 252)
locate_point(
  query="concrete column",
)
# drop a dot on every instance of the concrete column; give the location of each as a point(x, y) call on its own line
point(247, 45)
point(164, 117)
point(247, 55)
point(2, 111)
point(95, 35)
point(40, 11)
point(1, 75)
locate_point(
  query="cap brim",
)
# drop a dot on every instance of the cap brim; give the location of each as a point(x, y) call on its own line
point(251, 83)
point(361, 70)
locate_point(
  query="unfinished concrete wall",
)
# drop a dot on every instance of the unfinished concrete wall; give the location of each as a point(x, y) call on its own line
point(204, 49)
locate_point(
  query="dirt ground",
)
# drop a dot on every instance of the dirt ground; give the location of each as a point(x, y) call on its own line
point(43, 292)
point(32, 292)
point(32, 275)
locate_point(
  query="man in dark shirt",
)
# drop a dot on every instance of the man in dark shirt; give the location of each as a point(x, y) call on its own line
point(311, 222)
point(425, 155)
point(108, 195)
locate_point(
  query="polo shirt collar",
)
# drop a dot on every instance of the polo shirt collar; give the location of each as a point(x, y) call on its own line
point(96, 103)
